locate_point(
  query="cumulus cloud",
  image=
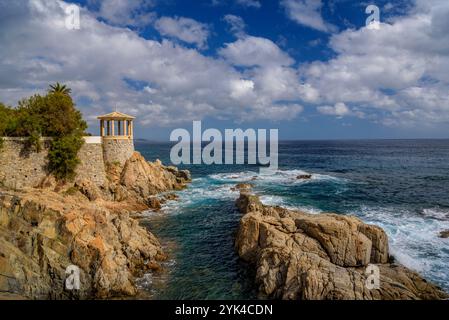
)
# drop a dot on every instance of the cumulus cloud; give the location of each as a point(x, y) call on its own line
point(397, 75)
point(307, 13)
point(255, 51)
point(236, 24)
point(124, 12)
point(400, 73)
point(184, 29)
point(339, 109)
point(172, 84)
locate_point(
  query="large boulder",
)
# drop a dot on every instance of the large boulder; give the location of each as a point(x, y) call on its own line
point(303, 256)
point(144, 179)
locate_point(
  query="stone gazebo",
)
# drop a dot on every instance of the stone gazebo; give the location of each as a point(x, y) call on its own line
point(116, 130)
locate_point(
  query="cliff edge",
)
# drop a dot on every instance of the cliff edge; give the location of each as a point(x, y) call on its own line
point(313, 257)
point(44, 230)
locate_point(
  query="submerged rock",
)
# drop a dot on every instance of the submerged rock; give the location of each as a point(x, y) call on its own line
point(246, 187)
point(444, 234)
point(154, 203)
point(304, 177)
point(304, 256)
point(171, 196)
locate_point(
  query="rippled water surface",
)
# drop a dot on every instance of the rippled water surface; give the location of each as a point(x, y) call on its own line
point(401, 185)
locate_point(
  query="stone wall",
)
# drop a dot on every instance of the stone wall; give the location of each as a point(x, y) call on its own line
point(20, 168)
point(117, 150)
point(92, 166)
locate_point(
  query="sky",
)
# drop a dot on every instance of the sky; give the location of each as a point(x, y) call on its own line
point(310, 68)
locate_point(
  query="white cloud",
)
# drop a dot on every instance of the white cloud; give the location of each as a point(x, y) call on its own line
point(236, 24)
point(255, 51)
point(176, 84)
point(125, 12)
point(307, 13)
point(398, 74)
point(249, 3)
point(339, 110)
point(185, 29)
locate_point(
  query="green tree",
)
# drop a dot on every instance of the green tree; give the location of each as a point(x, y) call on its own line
point(63, 156)
point(53, 115)
point(59, 88)
point(8, 121)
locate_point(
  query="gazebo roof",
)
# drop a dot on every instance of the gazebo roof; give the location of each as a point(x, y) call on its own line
point(115, 116)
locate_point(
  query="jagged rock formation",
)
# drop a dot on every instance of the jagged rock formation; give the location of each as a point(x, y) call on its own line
point(304, 256)
point(142, 179)
point(43, 231)
point(134, 185)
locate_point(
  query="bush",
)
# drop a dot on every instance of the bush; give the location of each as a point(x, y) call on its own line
point(71, 191)
point(53, 115)
point(34, 142)
point(63, 156)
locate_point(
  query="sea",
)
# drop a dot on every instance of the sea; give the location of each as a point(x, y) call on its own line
point(399, 185)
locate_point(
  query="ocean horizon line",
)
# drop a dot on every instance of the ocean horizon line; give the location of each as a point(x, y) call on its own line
point(315, 140)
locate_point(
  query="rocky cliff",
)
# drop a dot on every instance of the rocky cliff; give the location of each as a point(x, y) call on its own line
point(43, 231)
point(305, 256)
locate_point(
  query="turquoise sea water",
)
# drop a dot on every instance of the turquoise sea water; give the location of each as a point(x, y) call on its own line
point(400, 185)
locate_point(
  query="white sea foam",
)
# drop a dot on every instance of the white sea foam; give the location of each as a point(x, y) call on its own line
point(278, 176)
point(272, 200)
point(436, 213)
point(414, 239)
point(200, 192)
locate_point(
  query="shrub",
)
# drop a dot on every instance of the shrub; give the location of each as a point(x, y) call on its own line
point(71, 191)
point(34, 142)
point(53, 115)
point(63, 156)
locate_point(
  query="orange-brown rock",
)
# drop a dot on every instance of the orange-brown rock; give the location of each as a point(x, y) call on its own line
point(47, 229)
point(42, 233)
point(139, 180)
point(304, 256)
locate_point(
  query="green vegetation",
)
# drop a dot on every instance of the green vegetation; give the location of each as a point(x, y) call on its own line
point(71, 191)
point(62, 156)
point(58, 88)
point(53, 115)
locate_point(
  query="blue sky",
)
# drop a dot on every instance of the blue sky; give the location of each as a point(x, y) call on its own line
point(310, 68)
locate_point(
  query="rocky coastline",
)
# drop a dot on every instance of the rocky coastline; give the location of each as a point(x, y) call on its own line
point(297, 255)
point(43, 230)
